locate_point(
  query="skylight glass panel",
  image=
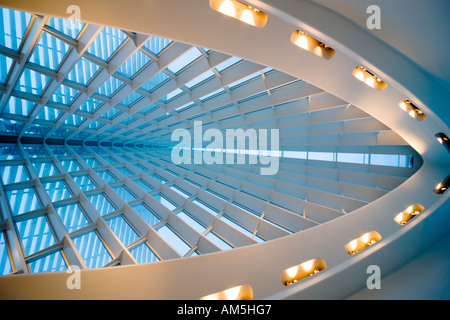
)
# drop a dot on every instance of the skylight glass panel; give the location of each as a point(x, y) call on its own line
point(393, 160)
point(18, 106)
point(134, 64)
point(95, 125)
point(13, 174)
point(131, 98)
point(5, 66)
point(50, 263)
point(36, 130)
point(49, 52)
point(212, 94)
point(144, 186)
point(174, 240)
point(101, 204)
point(218, 241)
point(57, 190)
point(243, 80)
point(23, 200)
point(74, 120)
point(124, 193)
point(237, 226)
point(13, 25)
point(185, 106)
point(92, 162)
point(362, 158)
point(321, 156)
point(164, 201)
point(155, 81)
point(84, 182)
point(73, 217)
point(157, 44)
point(196, 225)
point(69, 27)
point(110, 86)
point(184, 60)
point(92, 250)
point(126, 171)
point(32, 82)
point(123, 230)
point(10, 126)
point(64, 94)
point(206, 207)
point(49, 114)
point(9, 153)
point(5, 264)
point(45, 169)
point(146, 214)
point(143, 254)
point(35, 234)
point(111, 113)
point(208, 74)
point(228, 63)
point(58, 150)
point(173, 94)
point(83, 71)
point(90, 105)
point(35, 151)
point(295, 154)
point(180, 191)
point(106, 43)
point(107, 176)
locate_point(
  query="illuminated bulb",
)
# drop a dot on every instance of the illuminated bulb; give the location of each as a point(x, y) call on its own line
point(302, 42)
point(370, 82)
point(360, 75)
point(403, 105)
point(399, 218)
point(247, 17)
point(365, 238)
point(412, 114)
point(228, 8)
point(233, 293)
point(292, 272)
point(410, 209)
point(353, 246)
point(307, 266)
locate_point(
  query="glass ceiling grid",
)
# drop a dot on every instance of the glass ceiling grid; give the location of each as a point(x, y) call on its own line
point(117, 92)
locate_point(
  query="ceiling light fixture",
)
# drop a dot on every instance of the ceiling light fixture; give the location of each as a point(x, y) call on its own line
point(369, 78)
point(443, 139)
point(240, 11)
point(412, 110)
point(311, 44)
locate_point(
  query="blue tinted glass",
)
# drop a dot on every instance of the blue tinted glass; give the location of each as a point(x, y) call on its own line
point(49, 52)
point(18, 106)
point(23, 200)
point(91, 162)
point(164, 201)
point(157, 44)
point(32, 82)
point(9, 153)
point(222, 244)
point(45, 169)
point(131, 98)
point(74, 120)
point(106, 176)
point(35, 151)
point(186, 217)
point(199, 79)
point(392, 160)
point(64, 94)
point(184, 60)
point(59, 150)
point(49, 114)
point(126, 171)
point(135, 63)
point(92, 250)
point(243, 80)
point(95, 125)
point(123, 230)
point(110, 86)
point(70, 165)
point(84, 182)
point(5, 65)
point(36, 234)
point(10, 126)
point(237, 226)
point(143, 254)
point(83, 71)
point(124, 193)
point(111, 113)
point(13, 25)
point(57, 190)
point(90, 105)
point(174, 240)
point(145, 213)
point(51, 263)
point(36, 130)
point(203, 205)
point(73, 217)
point(106, 43)
point(5, 264)
point(69, 27)
point(13, 174)
point(101, 204)
point(155, 82)
point(227, 63)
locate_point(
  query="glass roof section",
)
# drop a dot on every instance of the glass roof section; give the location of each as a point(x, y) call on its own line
point(94, 129)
